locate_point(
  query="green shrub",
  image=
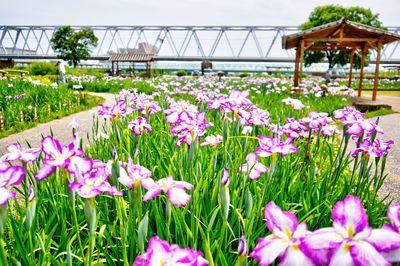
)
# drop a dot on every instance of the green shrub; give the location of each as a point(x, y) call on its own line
point(181, 73)
point(244, 75)
point(43, 68)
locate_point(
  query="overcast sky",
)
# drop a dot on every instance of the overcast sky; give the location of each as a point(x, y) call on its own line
point(178, 12)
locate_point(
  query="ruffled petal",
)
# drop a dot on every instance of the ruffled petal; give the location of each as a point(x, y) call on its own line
point(350, 215)
point(318, 244)
point(178, 196)
point(295, 257)
point(342, 257)
point(384, 240)
point(151, 193)
point(45, 172)
point(285, 222)
point(364, 253)
point(268, 249)
point(5, 194)
point(51, 146)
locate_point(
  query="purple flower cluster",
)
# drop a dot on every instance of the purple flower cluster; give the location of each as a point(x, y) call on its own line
point(9, 176)
point(175, 190)
point(274, 145)
point(116, 111)
point(351, 241)
point(189, 127)
point(253, 167)
point(139, 126)
point(159, 252)
point(241, 108)
point(364, 131)
point(293, 103)
point(91, 175)
point(144, 104)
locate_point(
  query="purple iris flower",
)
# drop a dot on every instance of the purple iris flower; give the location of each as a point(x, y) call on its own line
point(273, 145)
point(139, 126)
point(134, 175)
point(350, 241)
point(159, 252)
point(212, 140)
point(95, 182)
point(293, 103)
point(393, 214)
point(253, 167)
point(284, 241)
point(378, 148)
point(116, 111)
point(9, 176)
point(189, 127)
point(175, 190)
point(69, 157)
point(16, 152)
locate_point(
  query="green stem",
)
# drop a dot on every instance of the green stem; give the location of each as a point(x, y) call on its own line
point(3, 257)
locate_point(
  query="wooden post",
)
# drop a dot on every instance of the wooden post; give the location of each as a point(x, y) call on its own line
point(35, 117)
point(21, 116)
point(301, 60)
point(296, 67)
point(363, 51)
point(351, 66)
point(1, 123)
point(112, 68)
point(378, 59)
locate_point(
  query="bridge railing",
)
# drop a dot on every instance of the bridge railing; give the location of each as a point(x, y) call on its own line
point(251, 43)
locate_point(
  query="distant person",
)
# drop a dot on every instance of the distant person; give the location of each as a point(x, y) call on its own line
point(61, 69)
point(328, 77)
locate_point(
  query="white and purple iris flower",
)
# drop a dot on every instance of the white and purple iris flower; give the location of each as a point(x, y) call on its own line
point(175, 190)
point(159, 252)
point(273, 145)
point(9, 176)
point(378, 148)
point(212, 141)
point(350, 241)
point(94, 182)
point(58, 156)
point(393, 214)
point(253, 167)
point(134, 175)
point(18, 153)
point(293, 103)
point(139, 126)
point(116, 111)
point(284, 241)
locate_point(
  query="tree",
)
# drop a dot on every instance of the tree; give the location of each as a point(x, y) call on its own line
point(73, 46)
point(330, 13)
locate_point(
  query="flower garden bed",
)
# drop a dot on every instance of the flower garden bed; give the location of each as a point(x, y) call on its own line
point(25, 103)
point(200, 172)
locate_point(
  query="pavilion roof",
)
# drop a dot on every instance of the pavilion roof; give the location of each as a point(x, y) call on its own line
point(131, 57)
point(339, 35)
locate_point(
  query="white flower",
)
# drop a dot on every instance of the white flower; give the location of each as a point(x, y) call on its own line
point(30, 107)
point(74, 124)
point(247, 130)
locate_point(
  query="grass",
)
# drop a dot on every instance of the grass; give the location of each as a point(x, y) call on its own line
point(39, 103)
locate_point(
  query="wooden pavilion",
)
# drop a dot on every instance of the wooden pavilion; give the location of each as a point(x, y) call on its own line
point(340, 35)
point(131, 58)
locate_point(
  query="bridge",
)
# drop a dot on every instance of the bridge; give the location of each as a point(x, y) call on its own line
point(171, 43)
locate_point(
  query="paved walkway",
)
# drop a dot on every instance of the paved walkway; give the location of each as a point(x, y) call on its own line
point(59, 128)
point(391, 125)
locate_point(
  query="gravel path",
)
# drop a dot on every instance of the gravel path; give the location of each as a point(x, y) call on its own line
point(59, 128)
point(391, 125)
